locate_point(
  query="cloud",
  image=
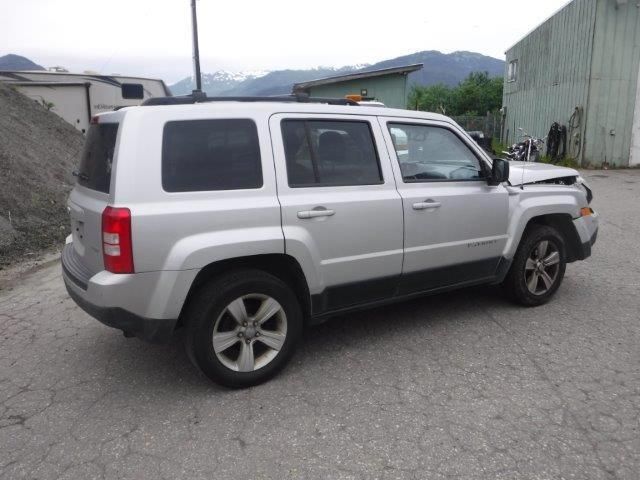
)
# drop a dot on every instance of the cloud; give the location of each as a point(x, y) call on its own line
point(147, 37)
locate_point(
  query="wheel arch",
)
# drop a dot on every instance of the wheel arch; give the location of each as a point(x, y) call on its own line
point(280, 265)
point(563, 223)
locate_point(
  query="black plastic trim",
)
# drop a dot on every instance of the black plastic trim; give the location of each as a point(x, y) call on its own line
point(191, 99)
point(73, 278)
point(152, 330)
point(350, 294)
point(73, 267)
point(585, 250)
point(371, 293)
point(502, 269)
point(461, 273)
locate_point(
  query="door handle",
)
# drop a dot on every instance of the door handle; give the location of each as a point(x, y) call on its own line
point(426, 205)
point(316, 213)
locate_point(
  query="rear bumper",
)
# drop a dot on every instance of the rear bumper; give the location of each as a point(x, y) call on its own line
point(152, 330)
point(146, 305)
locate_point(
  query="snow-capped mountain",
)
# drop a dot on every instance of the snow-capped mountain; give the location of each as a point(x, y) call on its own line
point(216, 83)
point(448, 69)
point(257, 82)
point(225, 75)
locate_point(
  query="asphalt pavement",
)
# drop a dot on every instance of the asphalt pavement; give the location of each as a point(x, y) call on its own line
point(462, 385)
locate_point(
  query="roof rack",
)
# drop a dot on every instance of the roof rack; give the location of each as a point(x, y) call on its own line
point(199, 97)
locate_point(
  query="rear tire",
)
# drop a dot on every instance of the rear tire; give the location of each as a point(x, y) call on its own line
point(538, 266)
point(242, 328)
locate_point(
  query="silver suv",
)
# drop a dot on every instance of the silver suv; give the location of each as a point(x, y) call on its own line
point(244, 221)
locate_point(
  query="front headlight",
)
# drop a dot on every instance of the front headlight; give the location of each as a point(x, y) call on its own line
point(582, 183)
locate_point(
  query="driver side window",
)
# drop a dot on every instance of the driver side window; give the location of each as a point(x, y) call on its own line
point(426, 153)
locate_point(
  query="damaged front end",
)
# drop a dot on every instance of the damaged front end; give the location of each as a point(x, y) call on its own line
point(582, 183)
point(527, 173)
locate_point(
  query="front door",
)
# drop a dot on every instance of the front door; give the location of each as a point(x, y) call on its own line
point(341, 212)
point(455, 224)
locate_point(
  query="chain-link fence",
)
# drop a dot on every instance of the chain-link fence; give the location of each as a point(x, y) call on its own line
point(490, 124)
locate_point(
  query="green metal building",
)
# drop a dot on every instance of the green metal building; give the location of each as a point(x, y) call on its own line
point(580, 69)
point(388, 85)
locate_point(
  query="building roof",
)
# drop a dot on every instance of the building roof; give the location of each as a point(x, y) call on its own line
point(19, 75)
point(61, 74)
point(357, 76)
point(565, 5)
point(45, 84)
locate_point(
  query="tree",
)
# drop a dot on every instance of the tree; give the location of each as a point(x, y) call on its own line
point(436, 98)
point(475, 95)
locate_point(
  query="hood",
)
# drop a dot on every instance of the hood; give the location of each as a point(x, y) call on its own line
point(537, 172)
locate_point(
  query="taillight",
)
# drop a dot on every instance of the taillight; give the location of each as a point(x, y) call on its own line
point(117, 249)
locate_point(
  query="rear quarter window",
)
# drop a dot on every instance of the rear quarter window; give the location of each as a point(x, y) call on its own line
point(206, 155)
point(97, 157)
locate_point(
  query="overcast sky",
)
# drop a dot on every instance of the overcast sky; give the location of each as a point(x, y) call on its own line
point(153, 37)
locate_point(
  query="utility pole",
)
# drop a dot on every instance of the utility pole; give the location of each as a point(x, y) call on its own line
point(196, 50)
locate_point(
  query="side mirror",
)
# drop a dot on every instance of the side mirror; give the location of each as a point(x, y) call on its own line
point(499, 172)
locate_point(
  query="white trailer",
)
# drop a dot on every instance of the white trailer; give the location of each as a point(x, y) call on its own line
point(76, 97)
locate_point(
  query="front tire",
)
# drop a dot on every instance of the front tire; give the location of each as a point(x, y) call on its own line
point(538, 266)
point(242, 328)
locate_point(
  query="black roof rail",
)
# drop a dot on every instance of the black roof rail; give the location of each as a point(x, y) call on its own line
point(191, 99)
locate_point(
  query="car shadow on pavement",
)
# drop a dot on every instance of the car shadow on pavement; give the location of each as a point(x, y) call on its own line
point(406, 317)
point(167, 366)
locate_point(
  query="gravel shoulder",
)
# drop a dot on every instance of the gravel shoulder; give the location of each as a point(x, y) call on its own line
point(38, 151)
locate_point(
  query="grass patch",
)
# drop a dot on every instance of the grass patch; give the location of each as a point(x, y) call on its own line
point(498, 147)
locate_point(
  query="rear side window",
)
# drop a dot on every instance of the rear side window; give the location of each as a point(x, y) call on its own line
point(205, 155)
point(330, 153)
point(97, 157)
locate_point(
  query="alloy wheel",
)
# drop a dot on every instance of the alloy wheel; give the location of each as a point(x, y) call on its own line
point(542, 267)
point(249, 333)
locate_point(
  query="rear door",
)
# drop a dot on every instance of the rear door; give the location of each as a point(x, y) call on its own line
point(455, 224)
point(91, 194)
point(341, 212)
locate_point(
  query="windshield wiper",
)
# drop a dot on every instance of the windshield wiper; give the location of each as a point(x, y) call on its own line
point(80, 175)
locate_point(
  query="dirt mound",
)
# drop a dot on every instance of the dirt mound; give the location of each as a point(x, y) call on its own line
point(38, 151)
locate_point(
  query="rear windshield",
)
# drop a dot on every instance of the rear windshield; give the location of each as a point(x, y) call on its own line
point(97, 157)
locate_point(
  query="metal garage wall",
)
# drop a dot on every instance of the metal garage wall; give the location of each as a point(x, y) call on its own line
point(614, 80)
point(553, 74)
point(634, 158)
